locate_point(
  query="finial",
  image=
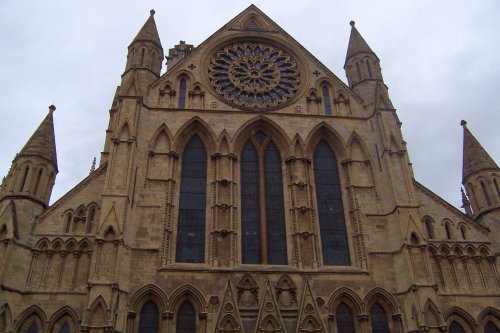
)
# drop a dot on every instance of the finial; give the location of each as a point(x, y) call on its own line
point(352, 23)
point(52, 108)
point(152, 12)
point(463, 123)
point(92, 168)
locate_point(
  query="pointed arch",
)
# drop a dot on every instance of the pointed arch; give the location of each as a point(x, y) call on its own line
point(431, 314)
point(64, 315)
point(346, 295)
point(190, 293)
point(324, 131)
point(85, 244)
point(195, 126)
point(98, 312)
point(380, 295)
point(124, 133)
point(298, 146)
point(357, 148)
point(146, 293)
point(277, 134)
point(161, 139)
point(32, 315)
point(461, 317)
point(57, 244)
point(5, 317)
point(488, 315)
point(394, 143)
point(43, 244)
point(224, 143)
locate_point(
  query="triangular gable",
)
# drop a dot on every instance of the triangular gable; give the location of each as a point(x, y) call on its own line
point(229, 317)
point(269, 315)
point(309, 316)
point(268, 28)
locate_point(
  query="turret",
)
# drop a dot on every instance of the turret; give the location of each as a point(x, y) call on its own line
point(145, 53)
point(34, 168)
point(363, 71)
point(481, 180)
point(26, 190)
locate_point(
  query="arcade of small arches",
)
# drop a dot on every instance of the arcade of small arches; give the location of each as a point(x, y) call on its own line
point(149, 309)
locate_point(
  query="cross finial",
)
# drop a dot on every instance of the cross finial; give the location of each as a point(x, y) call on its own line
point(463, 123)
point(352, 23)
point(152, 12)
point(52, 108)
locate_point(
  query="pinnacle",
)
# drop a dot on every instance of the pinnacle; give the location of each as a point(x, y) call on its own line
point(149, 32)
point(42, 143)
point(475, 157)
point(356, 43)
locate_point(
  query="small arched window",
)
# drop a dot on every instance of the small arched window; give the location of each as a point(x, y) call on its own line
point(428, 229)
point(37, 184)
point(447, 230)
point(192, 203)
point(33, 328)
point(358, 69)
point(345, 319)
point(368, 67)
point(142, 57)
point(491, 328)
point(25, 176)
point(378, 319)
point(69, 218)
point(462, 232)
point(149, 320)
point(186, 318)
point(485, 192)
point(455, 328)
point(65, 329)
point(326, 100)
point(330, 209)
point(90, 224)
point(182, 94)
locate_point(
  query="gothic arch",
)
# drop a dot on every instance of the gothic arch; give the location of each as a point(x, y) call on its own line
point(384, 298)
point(348, 296)
point(162, 130)
point(277, 134)
point(462, 317)
point(224, 143)
point(124, 133)
point(98, 312)
point(146, 293)
point(57, 244)
point(431, 313)
point(488, 314)
point(33, 314)
point(62, 316)
point(354, 140)
point(190, 293)
point(71, 244)
point(43, 244)
point(195, 126)
point(298, 146)
point(5, 317)
point(324, 131)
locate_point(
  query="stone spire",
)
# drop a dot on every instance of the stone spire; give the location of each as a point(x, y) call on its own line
point(475, 158)
point(357, 45)
point(43, 142)
point(148, 32)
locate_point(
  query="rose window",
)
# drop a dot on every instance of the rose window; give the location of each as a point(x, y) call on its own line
point(254, 75)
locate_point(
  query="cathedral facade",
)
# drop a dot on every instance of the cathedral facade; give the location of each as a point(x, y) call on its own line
point(248, 189)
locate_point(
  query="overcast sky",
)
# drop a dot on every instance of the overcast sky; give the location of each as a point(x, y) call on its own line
point(440, 60)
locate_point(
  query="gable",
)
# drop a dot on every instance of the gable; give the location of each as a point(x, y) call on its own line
point(251, 64)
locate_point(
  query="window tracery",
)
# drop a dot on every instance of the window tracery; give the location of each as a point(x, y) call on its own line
point(254, 74)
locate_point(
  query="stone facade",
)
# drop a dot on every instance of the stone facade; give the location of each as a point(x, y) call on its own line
point(109, 256)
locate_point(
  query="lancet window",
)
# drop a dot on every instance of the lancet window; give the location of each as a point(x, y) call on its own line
point(263, 215)
point(192, 203)
point(148, 322)
point(330, 209)
point(186, 318)
point(378, 318)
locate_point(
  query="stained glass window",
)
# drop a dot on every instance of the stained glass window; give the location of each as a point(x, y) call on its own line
point(326, 101)
point(182, 94)
point(330, 209)
point(186, 318)
point(455, 328)
point(491, 328)
point(33, 328)
point(262, 203)
point(65, 329)
point(345, 319)
point(149, 320)
point(192, 203)
point(378, 318)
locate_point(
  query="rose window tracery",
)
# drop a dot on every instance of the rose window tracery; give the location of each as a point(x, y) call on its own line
point(254, 74)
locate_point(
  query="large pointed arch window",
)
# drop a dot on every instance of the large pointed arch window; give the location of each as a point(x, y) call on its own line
point(263, 235)
point(148, 322)
point(330, 210)
point(192, 203)
point(186, 318)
